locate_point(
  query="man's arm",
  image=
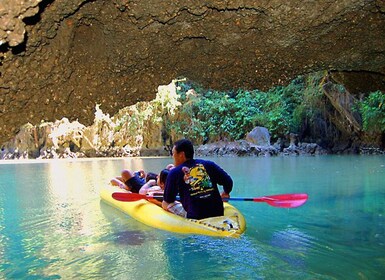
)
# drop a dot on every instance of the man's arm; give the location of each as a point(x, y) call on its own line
point(223, 179)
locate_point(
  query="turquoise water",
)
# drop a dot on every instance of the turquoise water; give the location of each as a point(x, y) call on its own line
point(53, 225)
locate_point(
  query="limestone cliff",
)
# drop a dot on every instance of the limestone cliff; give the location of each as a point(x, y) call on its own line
point(60, 58)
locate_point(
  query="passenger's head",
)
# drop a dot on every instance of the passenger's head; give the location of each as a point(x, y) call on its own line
point(151, 176)
point(183, 150)
point(162, 178)
point(126, 175)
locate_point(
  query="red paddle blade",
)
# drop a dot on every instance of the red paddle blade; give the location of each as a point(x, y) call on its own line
point(285, 200)
point(128, 196)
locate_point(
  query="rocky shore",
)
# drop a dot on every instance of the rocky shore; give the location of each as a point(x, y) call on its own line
point(26, 146)
point(64, 139)
point(239, 148)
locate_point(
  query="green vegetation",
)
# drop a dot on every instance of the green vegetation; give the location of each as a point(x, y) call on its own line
point(372, 109)
point(214, 115)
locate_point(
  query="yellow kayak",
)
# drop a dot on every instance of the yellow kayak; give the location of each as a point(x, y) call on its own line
point(232, 224)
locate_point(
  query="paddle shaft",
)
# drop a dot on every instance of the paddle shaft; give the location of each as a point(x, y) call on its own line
point(160, 198)
point(281, 200)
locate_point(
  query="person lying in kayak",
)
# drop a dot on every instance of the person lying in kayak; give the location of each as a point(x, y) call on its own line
point(153, 187)
point(132, 181)
point(196, 181)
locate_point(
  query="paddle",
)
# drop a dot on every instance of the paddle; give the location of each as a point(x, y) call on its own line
point(280, 200)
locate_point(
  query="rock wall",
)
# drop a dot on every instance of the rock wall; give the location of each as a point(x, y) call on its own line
point(60, 58)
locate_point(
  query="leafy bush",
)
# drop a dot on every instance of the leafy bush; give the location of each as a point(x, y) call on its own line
point(372, 109)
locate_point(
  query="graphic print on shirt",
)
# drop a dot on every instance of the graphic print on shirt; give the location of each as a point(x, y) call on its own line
point(198, 180)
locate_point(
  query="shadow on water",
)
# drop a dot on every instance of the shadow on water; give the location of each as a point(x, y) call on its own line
point(119, 236)
point(129, 237)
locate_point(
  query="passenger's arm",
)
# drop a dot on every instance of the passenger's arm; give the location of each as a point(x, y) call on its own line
point(117, 182)
point(146, 186)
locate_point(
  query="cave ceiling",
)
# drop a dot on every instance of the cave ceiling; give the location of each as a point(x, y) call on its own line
point(58, 58)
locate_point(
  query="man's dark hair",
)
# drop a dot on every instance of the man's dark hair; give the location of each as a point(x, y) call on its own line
point(185, 145)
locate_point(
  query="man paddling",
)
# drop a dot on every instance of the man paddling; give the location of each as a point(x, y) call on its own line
point(196, 181)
